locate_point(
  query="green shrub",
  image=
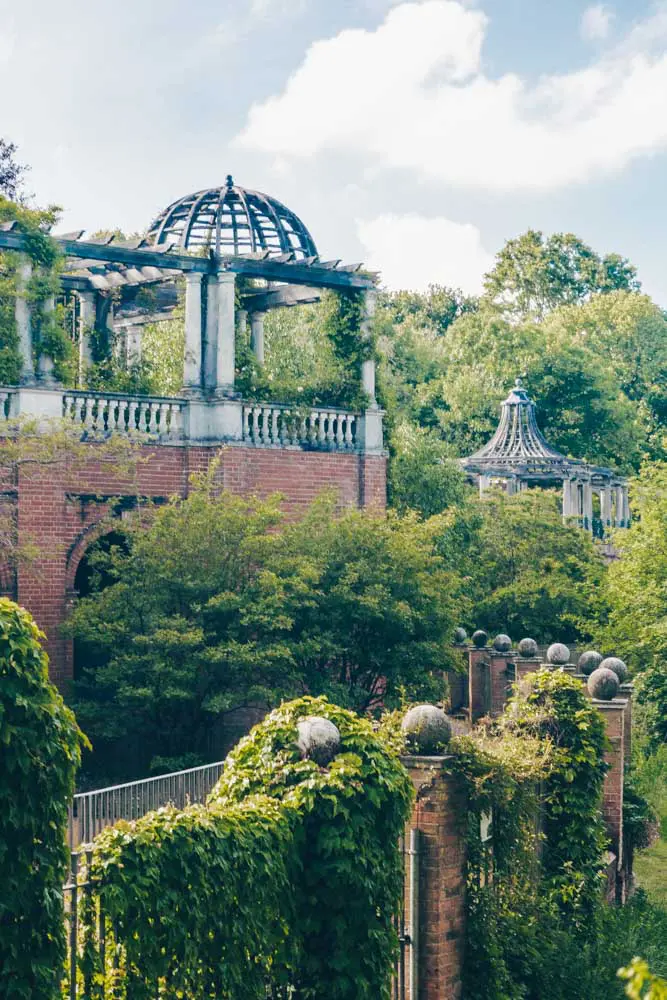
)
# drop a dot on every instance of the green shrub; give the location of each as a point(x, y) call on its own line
point(40, 751)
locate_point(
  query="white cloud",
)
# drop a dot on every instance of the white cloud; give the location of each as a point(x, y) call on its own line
point(413, 94)
point(595, 23)
point(412, 252)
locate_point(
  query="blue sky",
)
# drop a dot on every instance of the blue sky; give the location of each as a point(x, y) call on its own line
point(414, 136)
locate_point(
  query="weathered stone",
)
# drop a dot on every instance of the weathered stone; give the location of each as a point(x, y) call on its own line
point(318, 739)
point(502, 643)
point(460, 635)
point(527, 647)
point(558, 654)
point(618, 666)
point(480, 638)
point(427, 729)
point(589, 661)
point(603, 684)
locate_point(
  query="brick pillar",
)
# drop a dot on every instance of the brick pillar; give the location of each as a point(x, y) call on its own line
point(479, 683)
point(613, 713)
point(526, 665)
point(626, 691)
point(439, 816)
point(501, 675)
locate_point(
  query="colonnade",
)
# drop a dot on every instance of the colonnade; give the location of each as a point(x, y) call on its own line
point(614, 504)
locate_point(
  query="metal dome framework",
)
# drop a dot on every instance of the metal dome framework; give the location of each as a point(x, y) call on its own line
point(518, 454)
point(232, 220)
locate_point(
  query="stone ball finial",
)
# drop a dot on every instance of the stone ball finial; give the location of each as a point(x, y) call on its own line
point(603, 684)
point(589, 661)
point(558, 654)
point(527, 647)
point(618, 666)
point(502, 643)
point(460, 635)
point(480, 638)
point(427, 729)
point(318, 739)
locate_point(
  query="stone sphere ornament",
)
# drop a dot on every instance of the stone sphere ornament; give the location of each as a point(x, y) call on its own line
point(589, 661)
point(460, 635)
point(318, 739)
point(502, 643)
point(603, 684)
point(480, 638)
point(558, 654)
point(427, 729)
point(527, 648)
point(618, 666)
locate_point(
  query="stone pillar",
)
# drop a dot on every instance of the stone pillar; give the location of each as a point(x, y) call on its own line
point(257, 335)
point(605, 506)
point(479, 683)
point(226, 332)
point(618, 507)
point(192, 375)
point(439, 817)
point(87, 321)
point(626, 507)
point(133, 339)
point(484, 483)
point(368, 367)
point(242, 321)
point(588, 505)
point(45, 361)
point(23, 320)
point(525, 665)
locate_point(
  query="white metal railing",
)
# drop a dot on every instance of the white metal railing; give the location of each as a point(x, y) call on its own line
point(91, 812)
point(6, 402)
point(104, 412)
point(271, 424)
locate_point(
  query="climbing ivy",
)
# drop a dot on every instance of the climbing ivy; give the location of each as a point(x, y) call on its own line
point(41, 745)
point(289, 874)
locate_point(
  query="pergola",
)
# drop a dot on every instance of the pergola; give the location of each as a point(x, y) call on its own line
point(519, 456)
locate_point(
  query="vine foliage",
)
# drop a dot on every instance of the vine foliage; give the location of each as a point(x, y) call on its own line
point(289, 875)
point(41, 746)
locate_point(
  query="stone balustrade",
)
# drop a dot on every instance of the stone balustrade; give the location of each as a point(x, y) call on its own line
point(108, 413)
point(6, 403)
point(273, 425)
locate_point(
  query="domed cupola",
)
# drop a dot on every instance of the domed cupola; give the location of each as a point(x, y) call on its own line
point(232, 220)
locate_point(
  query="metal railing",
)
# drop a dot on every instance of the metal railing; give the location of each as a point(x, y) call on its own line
point(91, 812)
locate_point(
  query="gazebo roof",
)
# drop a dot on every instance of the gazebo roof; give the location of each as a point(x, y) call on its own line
point(518, 448)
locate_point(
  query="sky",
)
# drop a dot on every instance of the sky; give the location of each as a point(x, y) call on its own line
point(415, 137)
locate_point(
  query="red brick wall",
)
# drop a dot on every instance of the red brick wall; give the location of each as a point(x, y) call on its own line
point(59, 510)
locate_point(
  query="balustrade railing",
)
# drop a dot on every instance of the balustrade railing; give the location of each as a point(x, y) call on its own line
point(271, 424)
point(5, 403)
point(107, 413)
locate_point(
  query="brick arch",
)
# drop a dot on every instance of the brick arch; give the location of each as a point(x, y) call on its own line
point(78, 549)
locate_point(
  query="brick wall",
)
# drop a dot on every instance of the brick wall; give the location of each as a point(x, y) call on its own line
point(60, 510)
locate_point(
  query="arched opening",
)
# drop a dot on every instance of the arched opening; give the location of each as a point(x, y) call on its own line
point(94, 574)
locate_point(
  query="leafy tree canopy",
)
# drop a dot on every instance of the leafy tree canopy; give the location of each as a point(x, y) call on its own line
point(11, 171)
point(214, 608)
point(533, 275)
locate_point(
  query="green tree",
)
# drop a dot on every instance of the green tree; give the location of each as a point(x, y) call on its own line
point(533, 275)
point(422, 474)
point(40, 753)
point(11, 171)
point(528, 573)
point(214, 608)
point(636, 589)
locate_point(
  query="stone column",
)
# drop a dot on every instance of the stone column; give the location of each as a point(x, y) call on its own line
point(484, 483)
point(192, 358)
point(605, 506)
point(23, 320)
point(242, 321)
point(45, 361)
point(133, 339)
point(368, 367)
point(626, 507)
point(87, 321)
point(226, 332)
point(618, 507)
point(588, 505)
point(257, 335)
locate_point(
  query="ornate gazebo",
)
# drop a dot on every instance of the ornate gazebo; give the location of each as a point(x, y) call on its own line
point(518, 456)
